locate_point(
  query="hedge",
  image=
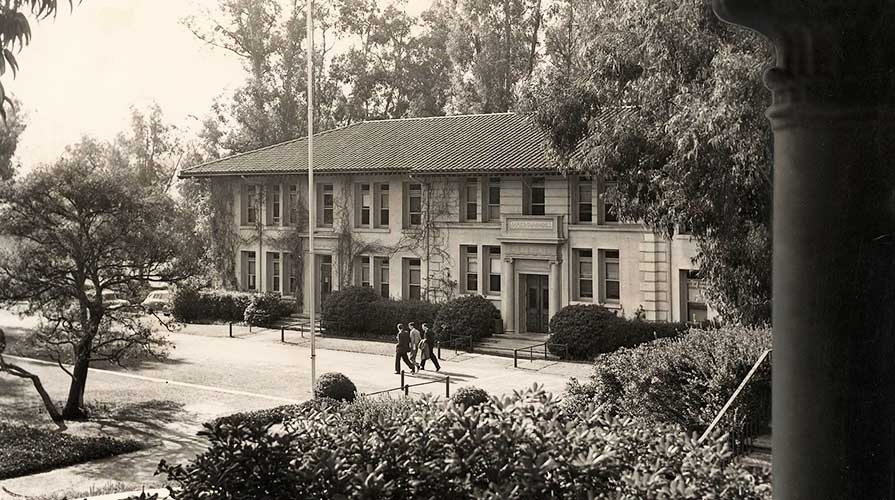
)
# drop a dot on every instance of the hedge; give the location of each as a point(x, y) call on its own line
point(684, 381)
point(191, 305)
point(589, 330)
point(360, 312)
point(522, 446)
point(468, 315)
point(28, 450)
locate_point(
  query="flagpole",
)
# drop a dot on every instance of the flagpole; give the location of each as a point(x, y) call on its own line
point(312, 196)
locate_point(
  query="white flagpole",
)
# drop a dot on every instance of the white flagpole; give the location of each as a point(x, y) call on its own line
point(312, 196)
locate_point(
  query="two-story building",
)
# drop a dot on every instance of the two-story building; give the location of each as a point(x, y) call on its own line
point(433, 207)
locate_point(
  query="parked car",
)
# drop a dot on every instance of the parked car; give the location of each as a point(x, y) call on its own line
point(158, 300)
point(113, 300)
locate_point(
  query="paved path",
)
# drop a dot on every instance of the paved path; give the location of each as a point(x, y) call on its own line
point(209, 374)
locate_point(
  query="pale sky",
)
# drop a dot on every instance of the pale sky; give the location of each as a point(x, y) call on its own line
point(83, 70)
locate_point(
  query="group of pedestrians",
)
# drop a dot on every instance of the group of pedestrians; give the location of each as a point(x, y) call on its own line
point(411, 342)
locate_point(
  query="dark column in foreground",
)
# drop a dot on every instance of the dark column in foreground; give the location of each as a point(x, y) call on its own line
point(834, 243)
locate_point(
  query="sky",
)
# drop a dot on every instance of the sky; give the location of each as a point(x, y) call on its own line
point(84, 69)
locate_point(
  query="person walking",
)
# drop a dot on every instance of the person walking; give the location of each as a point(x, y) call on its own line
point(428, 347)
point(402, 347)
point(415, 337)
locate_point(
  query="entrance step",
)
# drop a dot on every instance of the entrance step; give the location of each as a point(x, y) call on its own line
point(759, 454)
point(522, 343)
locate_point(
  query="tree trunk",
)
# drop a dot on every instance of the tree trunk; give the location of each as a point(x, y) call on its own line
point(74, 405)
point(533, 49)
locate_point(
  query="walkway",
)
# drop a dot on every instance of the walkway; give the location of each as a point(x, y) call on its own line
point(209, 375)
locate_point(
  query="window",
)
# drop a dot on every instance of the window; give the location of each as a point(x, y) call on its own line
point(292, 273)
point(414, 278)
point(326, 276)
point(383, 205)
point(493, 270)
point(697, 311)
point(472, 199)
point(585, 273)
point(537, 197)
point(251, 202)
point(471, 270)
point(494, 199)
point(365, 272)
point(326, 202)
point(611, 281)
point(293, 204)
point(366, 204)
point(415, 204)
point(382, 269)
point(249, 275)
point(609, 214)
point(585, 200)
point(274, 205)
point(274, 271)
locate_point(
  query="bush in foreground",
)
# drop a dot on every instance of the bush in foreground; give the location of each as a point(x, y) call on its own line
point(468, 315)
point(28, 450)
point(589, 330)
point(684, 381)
point(524, 446)
point(336, 386)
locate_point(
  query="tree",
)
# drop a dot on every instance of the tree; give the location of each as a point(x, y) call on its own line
point(151, 147)
point(80, 227)
point(663, 99)
point(10, 131)
point(17, 30)
point(17, 371)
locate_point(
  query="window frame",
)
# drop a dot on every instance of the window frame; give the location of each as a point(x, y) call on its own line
point(605, 206)
point(412, 264)
point(470, 268)
point(537, 183)
point(580, 203)
point(607, 257)
point(471, 203)
point(493, 252)
point(324, 190)
point(584, 256)
point(251, 270)
point(364, 210)
point(492, 212)
point(382, 264)
point(365, 266)
point(412, 193)
point(252, 205)
point(294, 203)
point(276, 272)
point(382, 196)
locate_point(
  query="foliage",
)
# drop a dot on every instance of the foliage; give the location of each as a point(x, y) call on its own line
point(523, 446)
point(192, 305)
point(360, 312)
point(275, 415)
point(588, 330)
point(470, 396)
point(684, 381)
point(28, 450)
point(336, 386)
point(10, 130)
point(665, 99)
point(266, 308)
point(17, 30)
point(468, 315)
point(80, 227)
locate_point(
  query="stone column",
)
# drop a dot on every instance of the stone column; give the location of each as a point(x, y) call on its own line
point(834, 251)
point(508, 294)
point(555, 288)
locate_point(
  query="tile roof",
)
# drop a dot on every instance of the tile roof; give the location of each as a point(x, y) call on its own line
point(444, 144)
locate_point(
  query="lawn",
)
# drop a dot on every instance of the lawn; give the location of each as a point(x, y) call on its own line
point(27, 450)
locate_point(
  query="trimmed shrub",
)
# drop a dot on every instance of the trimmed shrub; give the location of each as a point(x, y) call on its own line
point(275, 415)
point(266, 308)
point(336, 386)
point(467, 315)
point(191, 305)
point(523, 446)
point(470, 396)
point(588, 330)
point(360, 312)
point(684, 381)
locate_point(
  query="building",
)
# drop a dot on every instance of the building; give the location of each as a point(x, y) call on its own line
point(430, 208)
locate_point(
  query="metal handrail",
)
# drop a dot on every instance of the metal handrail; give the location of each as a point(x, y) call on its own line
point(531, 351)
point(733, 398)
point(406, 387)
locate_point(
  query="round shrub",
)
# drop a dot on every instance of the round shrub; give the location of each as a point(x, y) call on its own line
point(467, 315)
point(470, 396)
point(336, 386)
point(589, 330)
point(345, 311)
point(265, 309)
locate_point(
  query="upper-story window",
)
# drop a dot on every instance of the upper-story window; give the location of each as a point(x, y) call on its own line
point(325, 200)
point(383, 205)
point(585, 200)
point(251, 209)
point(537, 198)
point(414, 204)
point(274, 205)
point(472, 199)
point(365, 198)
point(493, 192)
point(607, 209)
point(294, 206)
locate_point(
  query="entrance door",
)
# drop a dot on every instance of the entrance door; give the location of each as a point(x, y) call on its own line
point(537, 296)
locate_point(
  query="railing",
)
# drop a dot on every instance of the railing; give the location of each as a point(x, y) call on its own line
point(406, 387)
point(531, 349)
point(453, 342)
point(756, 421)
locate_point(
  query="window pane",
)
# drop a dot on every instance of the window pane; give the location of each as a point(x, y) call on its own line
point(611, 254)
point(586, 289)
point(612, 270)
point(612, 290)
point(493, 212)
point(472, 282)
point(471, 211)
point(416, 204)
point(585, 212)
point(494, 195)
point(416, 219)
point(585, 269)
point(494, 283)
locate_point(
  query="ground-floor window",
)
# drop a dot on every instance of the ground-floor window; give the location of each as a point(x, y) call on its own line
point(292, 274)
point(382, 271)
point(414, 278)
point(249, 277)
point(493, 270)
point(611, 282)
point(273, 271)
point(584, 268)
point(470, 268)
point(365, 272)
point(326, 276)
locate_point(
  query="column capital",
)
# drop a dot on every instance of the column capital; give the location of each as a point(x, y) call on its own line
point(829, 52)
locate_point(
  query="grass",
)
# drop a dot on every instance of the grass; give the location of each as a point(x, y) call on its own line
point(28, 450)
point(92, 491)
